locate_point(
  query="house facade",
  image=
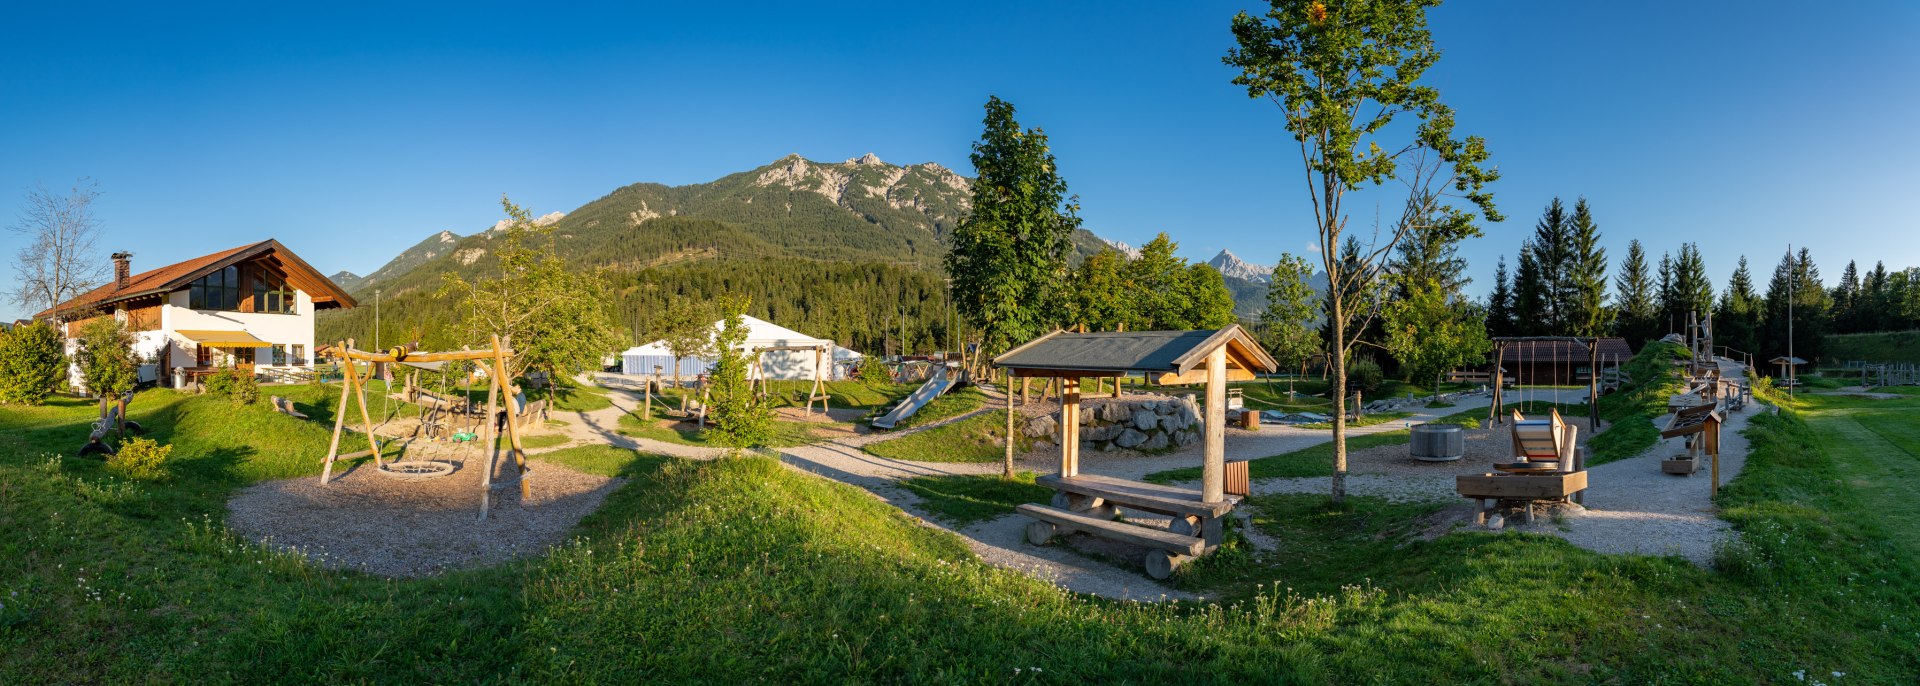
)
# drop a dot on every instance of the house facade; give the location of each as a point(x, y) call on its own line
point(250, 307)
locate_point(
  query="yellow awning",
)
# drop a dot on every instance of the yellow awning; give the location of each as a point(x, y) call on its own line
point(223, 339)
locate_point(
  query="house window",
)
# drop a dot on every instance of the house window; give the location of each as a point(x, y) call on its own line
point(299, 354)
point(272, 294)
point(279, 354)
point(202, 356)
point(217, 291)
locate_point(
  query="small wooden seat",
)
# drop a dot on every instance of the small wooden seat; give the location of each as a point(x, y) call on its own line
point(1538, 439)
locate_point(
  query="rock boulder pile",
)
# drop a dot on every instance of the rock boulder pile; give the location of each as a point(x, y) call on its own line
point(1145, 423)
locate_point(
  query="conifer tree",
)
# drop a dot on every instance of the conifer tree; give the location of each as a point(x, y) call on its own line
point(1552, 248)
point(1531, 315)
point(1846, 299)
point(1665, 295)
point(1586, 276)
point(1638, 307)
point(1691, 290)
point(1736, 319)
point(1500, 302)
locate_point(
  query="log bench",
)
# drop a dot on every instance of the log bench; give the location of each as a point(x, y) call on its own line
point(1166, 550)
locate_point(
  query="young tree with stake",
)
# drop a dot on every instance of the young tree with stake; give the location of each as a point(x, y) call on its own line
point(1341, 72)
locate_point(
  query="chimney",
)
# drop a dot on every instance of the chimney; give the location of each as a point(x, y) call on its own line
point(122, 269)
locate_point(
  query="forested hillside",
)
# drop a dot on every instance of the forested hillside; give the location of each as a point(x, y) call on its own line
point(847, 250)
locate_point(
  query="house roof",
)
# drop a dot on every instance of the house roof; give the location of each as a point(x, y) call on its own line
point(1564, 350)
point(166, 279)
point(1120, 352)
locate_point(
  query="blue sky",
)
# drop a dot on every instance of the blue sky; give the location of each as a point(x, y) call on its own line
point(350, 133)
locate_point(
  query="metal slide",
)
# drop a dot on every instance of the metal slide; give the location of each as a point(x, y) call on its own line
point(936, 385)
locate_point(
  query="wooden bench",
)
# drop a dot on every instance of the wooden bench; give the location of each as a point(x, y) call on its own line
point(1166, 550)
point(1139, 495)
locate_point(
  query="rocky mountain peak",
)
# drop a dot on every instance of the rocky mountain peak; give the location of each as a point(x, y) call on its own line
point(867, 159)
point(1230, 265)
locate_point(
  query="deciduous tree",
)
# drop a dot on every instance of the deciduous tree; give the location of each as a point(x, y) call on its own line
point(60, 260)
point(105, 356)
point(31, 364)
point(740, 419)
point(1341, 72)
point(1007, 259)
point(1290, 325)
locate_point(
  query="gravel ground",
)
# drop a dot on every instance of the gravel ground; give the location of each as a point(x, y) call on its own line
point(1388, 472)
point(400, 527)
point(1633, 507)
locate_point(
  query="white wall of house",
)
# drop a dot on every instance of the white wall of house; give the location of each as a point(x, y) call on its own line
point(280, 329)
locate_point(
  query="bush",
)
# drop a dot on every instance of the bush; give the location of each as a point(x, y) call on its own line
point(1365, 375)
point(873, 370)
point(235, 385)
point(31, 364)
point(141, 458)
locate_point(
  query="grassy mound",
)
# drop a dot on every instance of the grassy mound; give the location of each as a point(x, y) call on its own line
point(963, 499)
point(980, 438)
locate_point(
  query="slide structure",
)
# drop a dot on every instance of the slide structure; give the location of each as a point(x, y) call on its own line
point(936, 385)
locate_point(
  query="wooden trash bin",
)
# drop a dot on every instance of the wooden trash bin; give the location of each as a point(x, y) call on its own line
point(1239, 480)
point(1250, 420)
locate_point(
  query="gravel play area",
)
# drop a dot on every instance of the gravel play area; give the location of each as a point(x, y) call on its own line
point(413, 527)
point(1388, 471)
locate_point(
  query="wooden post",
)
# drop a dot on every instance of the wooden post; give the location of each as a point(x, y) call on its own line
point(646, 393)
point(1499, 380)
point(513, 431)
point(1213, 467)
point(492, 439)
point(339, 424)
point(1069, 426)
point(1593, 384)
point(1026, 384)
point(1116, 386)
point(1009, 465)
point(352, 378)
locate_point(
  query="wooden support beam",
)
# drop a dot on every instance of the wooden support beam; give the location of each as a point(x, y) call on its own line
point(352, 377)
point(490, 448)
point(1069, 427)
point(339, 424)
point(1213, 470)
point(513, 430)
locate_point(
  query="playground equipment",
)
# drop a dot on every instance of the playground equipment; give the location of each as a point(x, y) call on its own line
point(757, 377)
point(498, 388)
point(937, 385)
point(1592, 345)
point(1437, 443)
point(1089, 504)
point(1701, 425)
point(113, 418)
point(1548, 467)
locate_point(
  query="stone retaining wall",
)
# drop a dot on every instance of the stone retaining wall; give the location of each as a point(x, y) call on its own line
point(1142, 422)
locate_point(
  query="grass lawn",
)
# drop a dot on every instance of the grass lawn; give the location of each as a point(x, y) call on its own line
point(742, 570)
point(953, 404)
point(980, 438)
point(569, 396)
point(1886, 346)
point(1369, 419)
point(784, 435)
point(854, 394)
point(967, 498)
point(538, 441)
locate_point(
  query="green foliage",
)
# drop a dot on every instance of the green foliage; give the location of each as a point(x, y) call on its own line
point(1637, 308)
point(1431, 334)
point(1891, 346)
point(1163, 292)
point(963, 499)
point(1365, 375)
point(685, 327)
point(141, 458)
point(1500, 320)
point(105, 356)
point(1290, 325)
point(551, 315)
point(1587, 313)
point(1101, 298)
point(1561, 287)
point(233, 385)
point(31, 364)
point(874, 370)
point(738, 419)
point(1736, 318)
point(1796, 279)
point(1008, 258)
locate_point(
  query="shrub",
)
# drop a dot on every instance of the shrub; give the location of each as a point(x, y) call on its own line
point(873, 370)
point(235, 385)
point(106, 357)
point(141, 458)
point(31, 364)
point(1365, 375)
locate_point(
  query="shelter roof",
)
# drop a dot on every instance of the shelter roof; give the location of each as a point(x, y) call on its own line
point(1064, 353)
point(1558, 349)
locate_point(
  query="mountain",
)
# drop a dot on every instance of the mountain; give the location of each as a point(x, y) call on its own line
point(348, 280)
point(845, 250)
point(1231, 266)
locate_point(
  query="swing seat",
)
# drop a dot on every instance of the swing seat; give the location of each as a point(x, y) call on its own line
point(1538, 444)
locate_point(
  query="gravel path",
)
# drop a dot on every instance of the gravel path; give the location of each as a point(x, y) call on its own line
point(1633, 507)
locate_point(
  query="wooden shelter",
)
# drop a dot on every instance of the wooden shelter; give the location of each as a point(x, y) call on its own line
point(1089, 503)
point(498, 388)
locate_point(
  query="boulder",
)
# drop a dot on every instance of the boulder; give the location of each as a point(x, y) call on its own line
point(1184, 438)
point(1102, 432)
point(1157, 441)
point(1145, 420)
point(1113, 412)
point(1041, 426)
point(1130, 438)
point(1086, 419)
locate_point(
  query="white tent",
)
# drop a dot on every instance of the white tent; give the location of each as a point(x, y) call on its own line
point(778, 364)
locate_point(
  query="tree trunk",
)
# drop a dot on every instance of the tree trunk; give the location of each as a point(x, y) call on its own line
point(1339, 390)
point(1007, 472)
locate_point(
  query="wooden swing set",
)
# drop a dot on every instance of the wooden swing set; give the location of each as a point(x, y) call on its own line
point(498, 389)
point(757, 379)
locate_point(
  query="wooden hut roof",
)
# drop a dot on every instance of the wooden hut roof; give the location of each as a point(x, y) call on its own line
point(1109, 353)
point(1544, 350)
